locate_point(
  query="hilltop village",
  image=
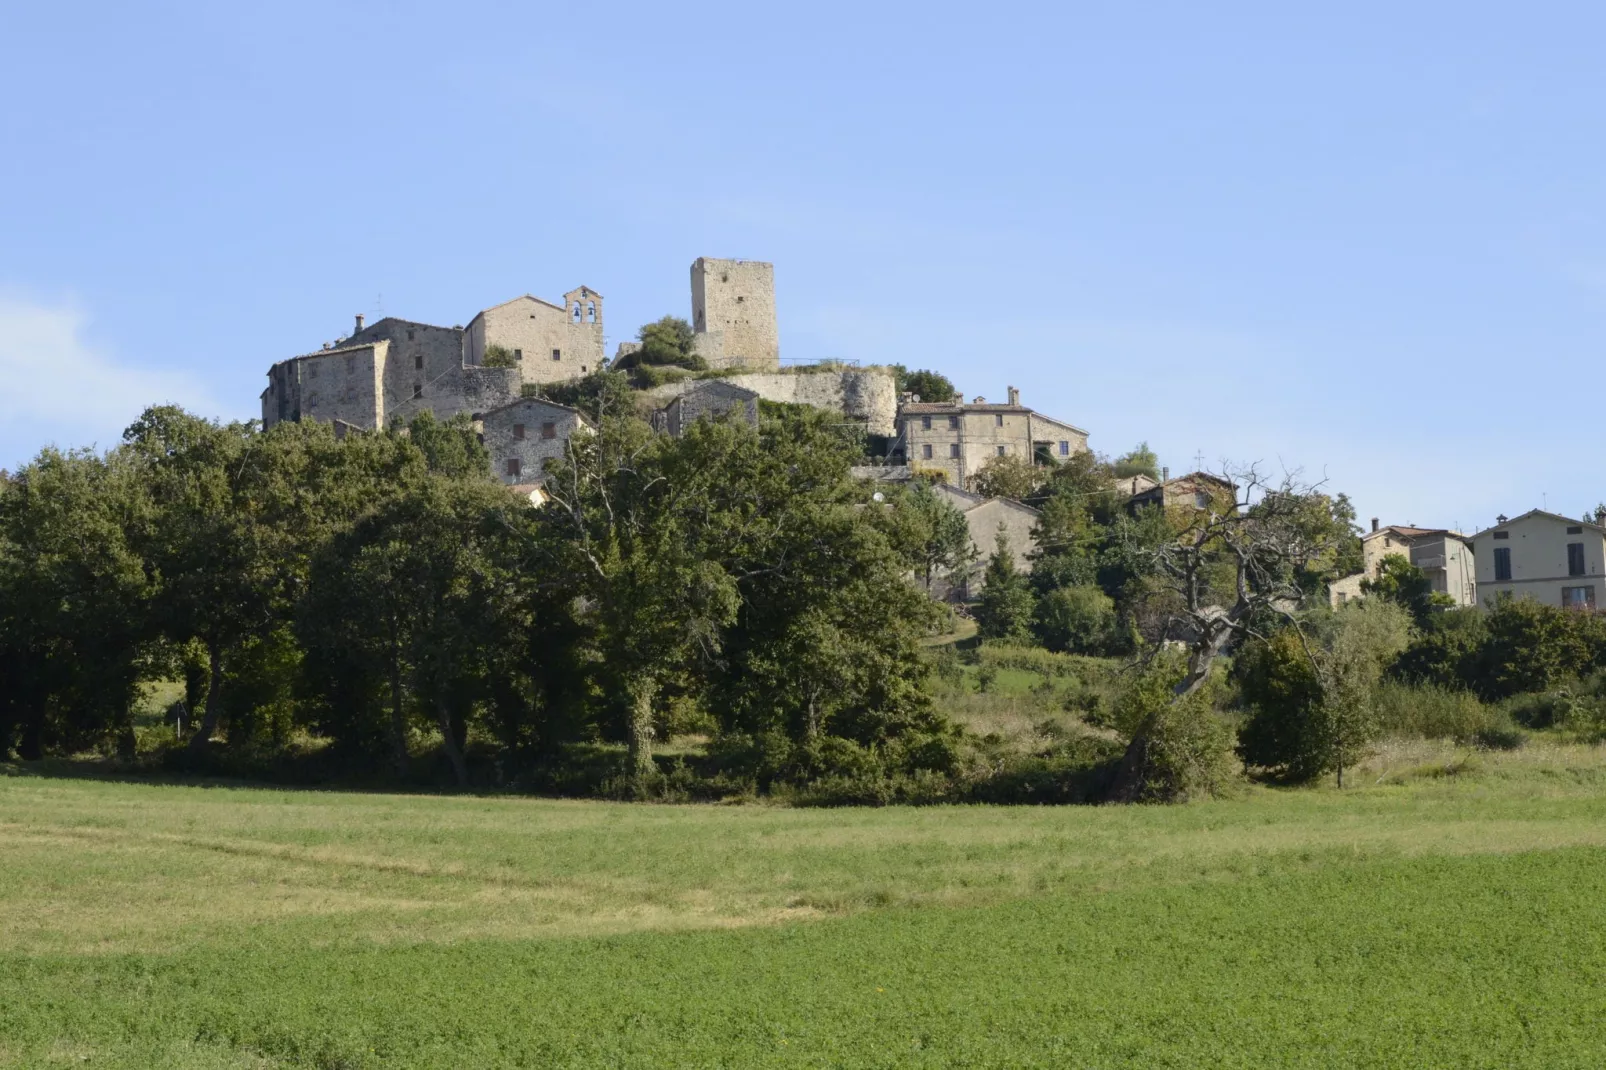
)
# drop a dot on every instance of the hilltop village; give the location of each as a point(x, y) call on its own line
point(498, 368)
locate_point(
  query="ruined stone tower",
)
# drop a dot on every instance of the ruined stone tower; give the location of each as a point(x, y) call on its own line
point(733, 313)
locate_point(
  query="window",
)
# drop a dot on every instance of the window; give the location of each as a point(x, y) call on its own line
point(549, 430)
point(1575, 559)
point(513, 466)
point(518, 354)
point(953, 423)
point(418, 361)
point(591, 311)
point(1002, 450)
point(1201, 499)
point(925, 451)
point(1065, 449)
point(557, 354)
point(925, 423)
point(418, 390)
point(315, 371)
point(998, 420)
point(1578, 597)
point(1502, 563)
point(576, 317)
point(1502, 534)
point(518, 432)
point(1575, 531)
point(409, 336)
point(953, 450)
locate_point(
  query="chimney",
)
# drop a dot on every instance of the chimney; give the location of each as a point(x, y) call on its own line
point(959, 399)
point(1374, 523)
point(979, 400)
point(358, 329)
point(1501, 519)
point(1165, 475)
point(1014, 397)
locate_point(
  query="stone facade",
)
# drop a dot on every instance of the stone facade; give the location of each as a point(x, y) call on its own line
point(959, 438)
point(1200, 490)
point(523, 435)
point(549, 343)
point(711, 398)
point(860, 394)
point(733, 313)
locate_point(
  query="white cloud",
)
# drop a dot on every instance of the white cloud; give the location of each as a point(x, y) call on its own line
point(57, 387)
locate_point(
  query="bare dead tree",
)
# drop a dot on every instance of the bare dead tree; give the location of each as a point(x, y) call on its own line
point(1239, 551)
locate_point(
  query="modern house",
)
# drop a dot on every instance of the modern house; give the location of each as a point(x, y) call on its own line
point(1445, 556)
point(1552, 559)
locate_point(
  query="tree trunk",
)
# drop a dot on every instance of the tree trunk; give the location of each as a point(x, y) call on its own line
point(127, 741)
point(214, 684)
point(398, 720)
point(449, 740)
point(641, 695)
point(32, 746)
point(1127, 784)
point(1200, 657)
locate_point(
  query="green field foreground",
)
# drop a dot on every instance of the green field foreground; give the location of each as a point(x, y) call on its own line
point(1451, 912)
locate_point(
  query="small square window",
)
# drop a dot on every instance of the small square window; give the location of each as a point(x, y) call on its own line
point(925, 423)
point(418, 390)
point(518, 354)
point(925, 451)
point(518, 432)
point(557, 354)
point(409, 336)
point(1065, 449)
point(549, 430)
point(953, 423)
point(513, 466)
point(1002, 450)
point(953, 450)
point(998, 419)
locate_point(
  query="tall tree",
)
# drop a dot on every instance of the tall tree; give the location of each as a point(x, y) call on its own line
point(1005, 608)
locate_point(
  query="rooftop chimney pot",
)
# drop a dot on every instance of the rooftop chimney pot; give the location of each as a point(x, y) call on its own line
point(359, 324)
point(1374, 523)
point(1014, 396)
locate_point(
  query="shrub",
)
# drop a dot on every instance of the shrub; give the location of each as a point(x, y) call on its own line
point(1076, 620)
point(1179, 748)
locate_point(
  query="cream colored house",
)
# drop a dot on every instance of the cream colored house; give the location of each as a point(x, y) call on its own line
point(959, 438)
point(1445, 556)
point(1552, 559)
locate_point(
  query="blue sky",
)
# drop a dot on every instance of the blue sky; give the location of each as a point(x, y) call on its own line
point(1365, 241)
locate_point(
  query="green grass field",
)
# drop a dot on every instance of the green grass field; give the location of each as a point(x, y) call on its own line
point(1450, 912)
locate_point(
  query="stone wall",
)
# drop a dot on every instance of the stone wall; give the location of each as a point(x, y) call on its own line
point(733, 313)
point(866, 394)
point(335, 384)
point(712, 398)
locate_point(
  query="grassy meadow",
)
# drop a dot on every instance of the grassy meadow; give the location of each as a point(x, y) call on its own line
point(1450, 910)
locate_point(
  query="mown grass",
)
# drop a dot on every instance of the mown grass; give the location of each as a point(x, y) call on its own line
point(1449, 912)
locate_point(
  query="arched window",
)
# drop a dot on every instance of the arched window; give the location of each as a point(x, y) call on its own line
point(591, 311)
point(577, 314)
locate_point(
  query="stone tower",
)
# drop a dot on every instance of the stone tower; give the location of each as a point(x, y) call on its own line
point(733, 313)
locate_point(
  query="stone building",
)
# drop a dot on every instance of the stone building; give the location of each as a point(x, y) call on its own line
point(523, 435)
point(960, 438)
point(1444, 556)
point(548, 343)
point(733, 313)
point(397, 369)
point(1200, 490)
point(712, 398)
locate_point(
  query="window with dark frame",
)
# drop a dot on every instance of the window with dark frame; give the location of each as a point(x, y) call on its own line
point(925, 451)
point(1578, 597)
point(549, 430)
point(518, 432)
point(1575, 559)
point(1002, 450)
point(953, 450)
point(409, 336)
point(557, 354)
point(418, 361)
point(1065, 448)
point(513, 466)
point(1502, 563)
point(953, 423)
point(418, 390)
point(518, 354)
point(998, 419)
